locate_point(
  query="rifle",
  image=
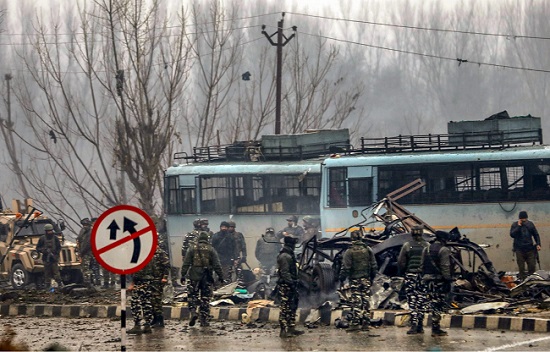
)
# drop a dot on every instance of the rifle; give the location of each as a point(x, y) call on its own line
point(25, 224)
point(538, 258)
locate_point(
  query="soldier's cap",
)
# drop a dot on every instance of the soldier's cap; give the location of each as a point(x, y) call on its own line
point(203, 236)
point(85, 221)
point(204, 221)
point(231, 223)
point(224, 223)
point(355, 235)
point(269, 229)
point(292, 218)
point(48, 227)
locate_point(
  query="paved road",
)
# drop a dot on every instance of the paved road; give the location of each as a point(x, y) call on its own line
point(91, 334)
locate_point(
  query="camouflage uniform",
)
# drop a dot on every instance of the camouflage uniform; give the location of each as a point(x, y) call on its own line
point(161, 263)
point(90, 267)
point(436, 276)
point(409, 266)
point(359, 265)
point(199, 265)
point(190, 238)
point(141, 302)
point(50, 246)
point(288, 288)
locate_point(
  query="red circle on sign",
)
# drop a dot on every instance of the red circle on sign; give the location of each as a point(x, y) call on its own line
point(98, 251)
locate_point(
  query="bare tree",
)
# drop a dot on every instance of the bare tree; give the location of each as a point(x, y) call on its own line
point(101, 106)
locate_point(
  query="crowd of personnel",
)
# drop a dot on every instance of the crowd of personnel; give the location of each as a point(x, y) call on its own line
point(215, 258)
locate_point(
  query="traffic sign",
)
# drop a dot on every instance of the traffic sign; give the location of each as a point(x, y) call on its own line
point(124, 239)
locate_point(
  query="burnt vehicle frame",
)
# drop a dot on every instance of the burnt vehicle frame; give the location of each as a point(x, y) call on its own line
point(321, 259)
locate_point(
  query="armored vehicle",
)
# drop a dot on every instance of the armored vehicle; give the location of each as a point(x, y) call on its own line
point(20, 263)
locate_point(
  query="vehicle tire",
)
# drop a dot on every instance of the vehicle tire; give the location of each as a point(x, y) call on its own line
point(19, 277)
point(323, 278)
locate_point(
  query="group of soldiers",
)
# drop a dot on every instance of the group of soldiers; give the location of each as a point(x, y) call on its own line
point(90, 266)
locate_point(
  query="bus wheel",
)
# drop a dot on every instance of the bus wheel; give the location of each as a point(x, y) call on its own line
point(19, 276)
point(323, 278)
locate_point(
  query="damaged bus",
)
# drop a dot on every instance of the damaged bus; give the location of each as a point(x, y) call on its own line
point(476, 181)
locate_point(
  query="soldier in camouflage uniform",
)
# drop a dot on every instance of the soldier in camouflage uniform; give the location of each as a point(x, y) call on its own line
point(90, 267)
point(359, 266)
point(199, 266)
point(161, 271)
point(287, 286)
point(205, 228)
point(191, 237)
point(50, 246)
point(409, 267)
point(141, 302)
point(435, 266)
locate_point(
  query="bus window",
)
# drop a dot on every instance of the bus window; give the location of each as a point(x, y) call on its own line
point(360, 191)
point(179, 199)
point(215, 194)
point(337, 184)
point(248, 195)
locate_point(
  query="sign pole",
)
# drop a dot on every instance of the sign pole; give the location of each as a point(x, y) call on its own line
point(123, 312)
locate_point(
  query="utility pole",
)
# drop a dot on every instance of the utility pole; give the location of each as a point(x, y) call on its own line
point(279, 44)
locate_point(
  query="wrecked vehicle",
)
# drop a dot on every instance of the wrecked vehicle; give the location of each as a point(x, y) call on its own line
point(321, 259)
point(20, 263)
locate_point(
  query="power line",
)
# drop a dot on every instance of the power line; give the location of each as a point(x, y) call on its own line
point(459, 60)
point(513, 36)
point(167, 27)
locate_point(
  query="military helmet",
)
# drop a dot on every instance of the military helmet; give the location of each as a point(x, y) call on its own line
point(311, 221)
point(356, 235)
point(417, 230)
point(270, 230)
point(85, 221)
point(196, 223)
point(203, 236)
point(231, 223)
point(204, 222)
point(442, 235)
point(48, 227)
point(224, 223)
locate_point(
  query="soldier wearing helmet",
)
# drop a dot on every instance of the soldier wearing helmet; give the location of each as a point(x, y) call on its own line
point(287, 286)
point(435, 266)
point(409, 267)
point(204, 227)
point(224, 244)
point(90, 267)
point(191, 237)
point(267, 249)
point(311, 225)
point(292, 229)
point(199, 266)
point(359, 267)
point(50, 247)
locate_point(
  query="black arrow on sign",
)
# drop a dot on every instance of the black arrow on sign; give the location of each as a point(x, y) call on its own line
point(113, 227)
point(129, 226)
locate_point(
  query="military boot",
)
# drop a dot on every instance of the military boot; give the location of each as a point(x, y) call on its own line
point(136, 330)
point(292, 330)
point(193, 318)
point(284, 334)
point(158, 321)
point(436, 331)
point(147, 329)
point(413, 330)
point(204, 322)
point(420, 328)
